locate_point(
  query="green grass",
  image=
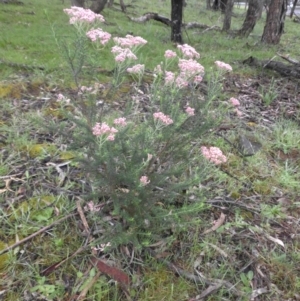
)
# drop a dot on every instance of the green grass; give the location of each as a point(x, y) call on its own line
point(40, 182)
point(27, 37)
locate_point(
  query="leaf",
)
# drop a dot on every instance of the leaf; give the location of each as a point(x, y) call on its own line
point(112, 272)
point(276, 240)
point(217, 224)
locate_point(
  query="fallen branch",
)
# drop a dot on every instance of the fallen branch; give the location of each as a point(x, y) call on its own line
point(154, 16)
point(151, 16)
point(283, 69)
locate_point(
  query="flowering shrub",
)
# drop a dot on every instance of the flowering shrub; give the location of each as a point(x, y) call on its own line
point(140, 163)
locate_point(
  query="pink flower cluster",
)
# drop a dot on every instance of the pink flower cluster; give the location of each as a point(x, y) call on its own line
point(169, 77)
point(136, 69)
point(121, 54)
point(144, 180)
point(98, 34)
point(120, 121)
point(91, 207)
point(104, 129)
point(213, 154)
point(181, 82)
point(190, 68)
point(169, 54)
point(235, 102)
point(130, 41)
point(190, 111)
point(198, 79)
point(188, 51)
point(163, 118)
point(223, 66)
point(62, 98)
point(81, 15)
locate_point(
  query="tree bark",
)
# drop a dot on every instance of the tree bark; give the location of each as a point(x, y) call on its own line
point(216, 5)
point(283, 69)
point(251, 17)
point(293, 8)
point(223, 4)
point(260, 9)
point(208, 4)
point(176, 19)
point(275, 22)
point(228, 13)
point(79, 3)
point(98, 5)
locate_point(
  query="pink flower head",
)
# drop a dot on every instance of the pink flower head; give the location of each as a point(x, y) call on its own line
point(102, 129)
point(169, 54)
point(235, 102)
point(81, 15)
point(213, 154)
point(223, 66)
point(190, 68)
point(62, 98)
point(181, 82)
point(117, 49)
point(198, 79)
point(188, 51)
point(190, 111)
point(169, 77)
point(123, 54)
point(120, 121)
point(91, 207)
point(163, 118)
point(84, 89)
point(136, 69)
point(130, 41)
point(98, 34)
point(144, 180)
point(238, 112)
point(111, 137)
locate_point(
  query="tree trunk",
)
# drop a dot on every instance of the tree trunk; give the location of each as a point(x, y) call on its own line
point(110, 3)
point(216, 5)
point(293, 8)
point(97, 6)
point(208, 4)
point(275, 22)
point(228, 13)
point(176, 19)
point(251, 17)
point(223, 4)
point(79, 3)
point(260, 9)
point(123, 7)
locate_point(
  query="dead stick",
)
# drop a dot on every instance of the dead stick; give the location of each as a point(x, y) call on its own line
point(35, 234)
